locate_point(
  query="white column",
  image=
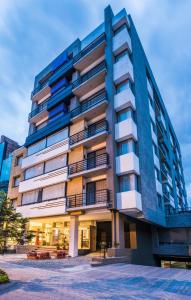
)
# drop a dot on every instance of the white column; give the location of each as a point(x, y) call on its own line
point(73, 244)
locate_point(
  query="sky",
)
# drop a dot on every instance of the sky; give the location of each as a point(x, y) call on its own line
point(34, 32)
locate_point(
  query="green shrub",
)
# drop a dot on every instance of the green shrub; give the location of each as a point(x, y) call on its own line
point(3, 277)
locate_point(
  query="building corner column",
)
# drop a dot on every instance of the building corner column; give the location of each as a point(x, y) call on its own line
point(73, 243)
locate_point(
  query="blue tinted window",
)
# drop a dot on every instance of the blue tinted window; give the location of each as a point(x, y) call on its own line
point(124, 183)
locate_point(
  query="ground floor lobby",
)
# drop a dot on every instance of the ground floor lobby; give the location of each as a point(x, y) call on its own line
point(81, 234)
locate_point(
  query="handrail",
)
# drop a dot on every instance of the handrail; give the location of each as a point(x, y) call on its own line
point(90, 47)
point(88, 164)
point(89, 74)
point(92, 130)
point(89, 103)
point(77, 57)
point(92, 198)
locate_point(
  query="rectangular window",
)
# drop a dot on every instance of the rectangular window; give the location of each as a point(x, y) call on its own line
point(40, 126)
point(121, 55)
point(55, 163)
point(160, 204)
point(53, 192)
point(123, 147)
point(30, 197)
point(124, 115)
point(36, 147)
point(34, 171)
point(124, 183)
point(57, 137)
point(19, 160)
point(16, 181)
point(123, 86)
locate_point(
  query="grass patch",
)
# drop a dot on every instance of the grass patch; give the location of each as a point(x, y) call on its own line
point(3, 277)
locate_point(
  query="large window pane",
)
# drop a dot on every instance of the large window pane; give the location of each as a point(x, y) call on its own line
point(53, 191)
point(122, 86)
point(34, 171)
point(123, 147)
point(124, 115)
point(57, 137)
point(30, 197)
point(37, 147)
point(124, 183)
point(55, 163)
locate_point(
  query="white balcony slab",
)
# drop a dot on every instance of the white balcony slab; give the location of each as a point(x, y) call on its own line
point(123, 69)
point(154, 137)
point(129, 201)
point(46, 154)
point(150, 89)
point(125, 129)
point(159, 187)
point(124, 99)
point(156, 161)
point(127, 163)
point(152, 113)
point(43, 209)
point(122, 41)
point(41, 181)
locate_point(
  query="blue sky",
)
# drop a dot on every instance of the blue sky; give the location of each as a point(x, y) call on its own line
point(33, 32)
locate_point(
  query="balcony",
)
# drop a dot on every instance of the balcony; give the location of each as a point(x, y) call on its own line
point(41, 93)
point(123, 69)
point(87, 137)
point(47, 208)
point(159, 187)
point(39, 112)
point(90, 54)
point(90, 80)
point(89, 167)
point(129, 202)
point(121, 42)
point(90, 107)
point(124, 99)
point(46, 154)
point(99, 199)
point(48, 129)
point(127, 163)
point(50, 178)
point(125, 130)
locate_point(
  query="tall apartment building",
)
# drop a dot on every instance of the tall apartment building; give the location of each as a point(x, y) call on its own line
point(7, 146)
point(102, 163)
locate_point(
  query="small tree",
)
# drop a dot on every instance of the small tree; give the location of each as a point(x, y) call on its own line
point(12, 224)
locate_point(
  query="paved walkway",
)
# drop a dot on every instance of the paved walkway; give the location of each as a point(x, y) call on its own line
point(76, 279)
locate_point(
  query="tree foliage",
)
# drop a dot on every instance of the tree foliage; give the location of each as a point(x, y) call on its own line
point(12, 224)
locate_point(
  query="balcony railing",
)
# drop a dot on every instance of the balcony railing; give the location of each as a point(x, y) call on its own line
point(89, 103)
point(92, 130)
point(86, 199)
point(89, 48)
point(38, 109)
point(88, 164)
point(178, 211)
point(89, 74)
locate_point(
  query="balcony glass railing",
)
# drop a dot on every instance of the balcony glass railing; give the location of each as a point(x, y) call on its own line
point(89, 48)
point(89, 103)
point(88, 164)
point(92, 130)
point(85, 199)
point(100, 67)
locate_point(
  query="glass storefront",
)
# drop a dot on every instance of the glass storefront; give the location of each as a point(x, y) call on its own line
point(56, 232)
point(175, 264)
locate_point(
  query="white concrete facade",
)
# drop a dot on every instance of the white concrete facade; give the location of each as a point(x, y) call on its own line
point(125, 129)
point(73, 244)
point(129, 201)
point(46, 154)
point(124, 99)
point(43, 180)
point(123, 69)
point(43, 209)
point(121, 41)
point(127, 163)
